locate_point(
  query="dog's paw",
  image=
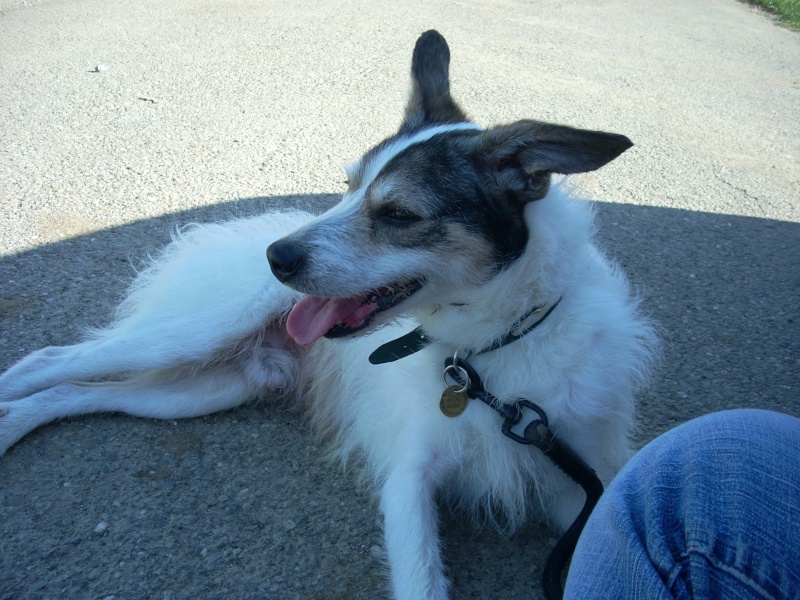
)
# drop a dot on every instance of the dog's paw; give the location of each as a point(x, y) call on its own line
point(14, 424)
point(7, 438)
point(30, 374)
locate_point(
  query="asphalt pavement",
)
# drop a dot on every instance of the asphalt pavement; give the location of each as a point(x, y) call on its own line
point(122, 120)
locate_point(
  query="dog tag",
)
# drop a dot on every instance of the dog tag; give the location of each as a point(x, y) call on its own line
point(453, 401)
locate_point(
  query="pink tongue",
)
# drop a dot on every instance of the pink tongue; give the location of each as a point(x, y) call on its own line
point(312, 316)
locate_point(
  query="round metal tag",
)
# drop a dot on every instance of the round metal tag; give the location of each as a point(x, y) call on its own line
point(453, 401)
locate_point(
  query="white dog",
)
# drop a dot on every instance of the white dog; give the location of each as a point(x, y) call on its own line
point(447, 227)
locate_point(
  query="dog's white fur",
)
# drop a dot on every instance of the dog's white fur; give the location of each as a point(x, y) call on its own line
point(202, 330)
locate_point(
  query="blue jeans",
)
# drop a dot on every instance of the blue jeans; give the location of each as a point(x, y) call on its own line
point(710, 509)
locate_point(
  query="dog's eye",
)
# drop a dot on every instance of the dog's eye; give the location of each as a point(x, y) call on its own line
point(398, 217)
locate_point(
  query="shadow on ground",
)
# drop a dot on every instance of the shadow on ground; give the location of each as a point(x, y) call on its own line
point(241, 504)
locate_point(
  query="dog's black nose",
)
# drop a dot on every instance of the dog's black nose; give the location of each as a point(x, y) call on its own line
point(285, 259)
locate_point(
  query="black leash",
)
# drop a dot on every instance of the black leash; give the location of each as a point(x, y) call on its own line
point(536, 433)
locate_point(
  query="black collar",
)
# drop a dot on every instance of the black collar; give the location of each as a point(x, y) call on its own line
point(416, 340)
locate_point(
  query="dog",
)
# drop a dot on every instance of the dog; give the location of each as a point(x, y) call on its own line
point(459, 231)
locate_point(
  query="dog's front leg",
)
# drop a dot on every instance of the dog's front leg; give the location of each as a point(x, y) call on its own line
point(411, 524)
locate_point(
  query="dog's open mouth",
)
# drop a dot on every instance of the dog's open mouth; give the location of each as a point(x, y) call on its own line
point(314, 316)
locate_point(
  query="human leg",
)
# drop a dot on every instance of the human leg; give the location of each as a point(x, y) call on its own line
point(710, 509)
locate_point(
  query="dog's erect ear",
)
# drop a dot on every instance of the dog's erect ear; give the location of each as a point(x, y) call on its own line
point(520, 157)
point(430, 100)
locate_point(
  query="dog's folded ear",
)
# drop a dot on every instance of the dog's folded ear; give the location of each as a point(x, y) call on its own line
point(521, 157)
point(430, 100)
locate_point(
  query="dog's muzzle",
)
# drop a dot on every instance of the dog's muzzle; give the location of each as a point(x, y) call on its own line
point(331, 316)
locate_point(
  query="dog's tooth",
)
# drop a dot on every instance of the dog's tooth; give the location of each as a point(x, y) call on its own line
point(373, 298)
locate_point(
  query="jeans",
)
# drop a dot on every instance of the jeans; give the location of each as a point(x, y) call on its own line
point(710, 509)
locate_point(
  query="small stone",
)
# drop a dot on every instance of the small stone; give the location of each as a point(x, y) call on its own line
point(100, 69)
point(101, 528)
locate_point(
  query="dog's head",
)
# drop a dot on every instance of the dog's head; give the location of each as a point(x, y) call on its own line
point(436, 208)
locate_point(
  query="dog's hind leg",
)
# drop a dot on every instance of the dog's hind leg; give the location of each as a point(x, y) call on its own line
point(54, 364)
point(143, 342)
point(259, 364)
point(211, 288)
point(185, 398)
point(172, 394)
point(110, 354)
